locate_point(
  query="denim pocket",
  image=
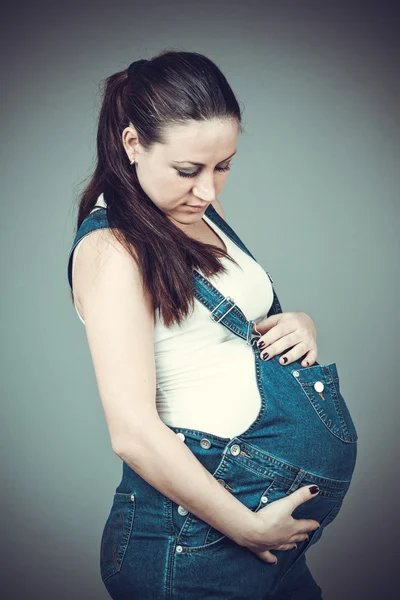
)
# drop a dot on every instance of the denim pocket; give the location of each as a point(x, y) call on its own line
point(116, 533)
point(320, 384)
point(249, 487)
point(253, 500)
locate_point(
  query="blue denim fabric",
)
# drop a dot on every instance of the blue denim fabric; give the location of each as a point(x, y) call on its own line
point(151, 548)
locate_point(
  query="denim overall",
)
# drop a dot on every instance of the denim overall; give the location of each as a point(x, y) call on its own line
point(152, 548)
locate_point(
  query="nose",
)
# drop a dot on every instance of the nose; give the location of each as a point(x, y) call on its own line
point(205, 190)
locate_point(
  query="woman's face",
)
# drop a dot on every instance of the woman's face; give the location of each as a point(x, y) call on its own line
point(167, 172)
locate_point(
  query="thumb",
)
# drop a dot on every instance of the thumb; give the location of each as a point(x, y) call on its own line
point(302, 495)
point(267, 557)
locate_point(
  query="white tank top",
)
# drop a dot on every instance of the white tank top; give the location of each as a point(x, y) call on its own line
point(206, 374)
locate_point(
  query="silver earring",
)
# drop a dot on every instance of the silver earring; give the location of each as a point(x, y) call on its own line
point(132, 161)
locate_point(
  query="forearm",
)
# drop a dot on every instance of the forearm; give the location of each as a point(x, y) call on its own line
point(167, 464)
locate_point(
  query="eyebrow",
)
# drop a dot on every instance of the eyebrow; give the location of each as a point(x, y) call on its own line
point(201, 164)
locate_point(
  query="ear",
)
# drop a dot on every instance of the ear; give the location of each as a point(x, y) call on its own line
point(130, 141)
point(217, 205)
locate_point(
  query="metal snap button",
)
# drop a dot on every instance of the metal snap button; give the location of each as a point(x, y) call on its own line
point(182, 510)
point(295, 373)
point(205, 443)
point(318, 386)
point(264, 499)
point(221, 481)
point(181, 436)
point(179, 548)
point(132, 496)
point(235, 449)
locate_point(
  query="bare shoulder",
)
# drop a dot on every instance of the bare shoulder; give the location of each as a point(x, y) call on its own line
point(217, 205)
point(102, 257)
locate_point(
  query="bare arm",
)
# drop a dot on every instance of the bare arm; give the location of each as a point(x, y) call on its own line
point(119, 321)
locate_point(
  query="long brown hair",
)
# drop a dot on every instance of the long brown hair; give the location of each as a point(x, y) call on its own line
point(171, 88)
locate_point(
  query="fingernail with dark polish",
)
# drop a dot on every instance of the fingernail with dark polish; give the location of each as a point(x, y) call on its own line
point(265, 355)
point(284, 359)
point(314, 489)
point(261, 345)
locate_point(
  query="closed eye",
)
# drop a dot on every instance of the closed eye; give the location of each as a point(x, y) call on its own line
point(184, 174)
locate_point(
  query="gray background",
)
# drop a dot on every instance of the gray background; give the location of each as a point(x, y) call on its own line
point(313, 191)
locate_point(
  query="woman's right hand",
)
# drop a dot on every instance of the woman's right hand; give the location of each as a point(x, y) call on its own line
point(275, 528)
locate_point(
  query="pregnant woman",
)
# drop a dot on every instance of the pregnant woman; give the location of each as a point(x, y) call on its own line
point(237, 445)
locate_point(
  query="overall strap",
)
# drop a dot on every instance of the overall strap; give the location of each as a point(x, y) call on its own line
point(216, 218)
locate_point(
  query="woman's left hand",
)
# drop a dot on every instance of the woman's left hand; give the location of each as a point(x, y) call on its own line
point(294, 330)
